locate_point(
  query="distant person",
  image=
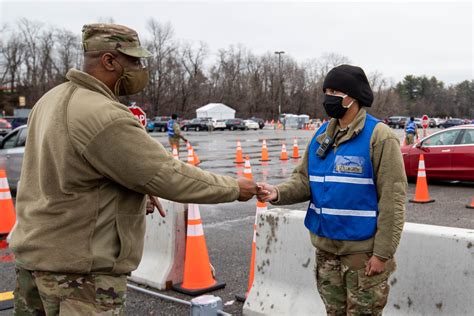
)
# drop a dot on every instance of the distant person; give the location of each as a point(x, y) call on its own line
point(411, 131)
point(174, 132)
point(87, 169)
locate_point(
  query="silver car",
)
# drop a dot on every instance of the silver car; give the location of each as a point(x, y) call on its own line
point(12, 149)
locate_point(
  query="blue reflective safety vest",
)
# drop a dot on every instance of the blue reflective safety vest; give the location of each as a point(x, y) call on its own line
point(344, 197)
point(410, 129)
point(170, 128)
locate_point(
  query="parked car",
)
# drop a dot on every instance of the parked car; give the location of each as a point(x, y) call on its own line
point(236, 123)
point(197, 124)
point(261, 122)
point(5, 127)
point(12, 149)
point(418, 122)
point(160, 123)
point(451, 122)
point(449, 154)
point(435, 121)
point(397, 121)
point(251, 124)
point(18, 121)
point(219, 125)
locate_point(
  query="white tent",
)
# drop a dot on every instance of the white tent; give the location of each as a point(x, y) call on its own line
point(218, 111)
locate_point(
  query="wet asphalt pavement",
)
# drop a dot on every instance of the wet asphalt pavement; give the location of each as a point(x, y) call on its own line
point(228, 227)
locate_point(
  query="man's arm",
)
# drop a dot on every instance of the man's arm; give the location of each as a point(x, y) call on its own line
point(391, 188)
point(125, 153)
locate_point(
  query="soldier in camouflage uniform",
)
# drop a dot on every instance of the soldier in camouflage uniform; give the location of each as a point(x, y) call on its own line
point(353, 175)
point(87, 169)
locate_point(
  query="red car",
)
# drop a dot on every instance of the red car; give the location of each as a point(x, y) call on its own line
point(449, 154)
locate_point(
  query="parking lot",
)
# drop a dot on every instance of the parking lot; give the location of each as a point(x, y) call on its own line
point(228, 227)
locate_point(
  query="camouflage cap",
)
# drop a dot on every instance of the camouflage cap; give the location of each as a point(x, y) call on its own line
point(101, 36)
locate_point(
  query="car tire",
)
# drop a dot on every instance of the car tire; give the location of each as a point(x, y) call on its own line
point(198, 128)
point(162, 129)
point(231, 128)
point(246, 128)
point(185, 128)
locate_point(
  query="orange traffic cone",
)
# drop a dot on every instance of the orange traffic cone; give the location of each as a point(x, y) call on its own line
point(264, 151)
point(196, 158)
point(421, 192)
point(197, 276)
point(296, 153)
point(261, 208)
point(238, 155)
point(284, 154)
point(7, 211)
point(248, 169)
point(472, 203)
point(175, 152)
point(191, 156)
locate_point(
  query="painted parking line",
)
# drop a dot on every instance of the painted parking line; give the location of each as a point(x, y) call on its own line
point(6, 300)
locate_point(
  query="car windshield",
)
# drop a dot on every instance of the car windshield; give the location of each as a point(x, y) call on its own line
point(442, 139)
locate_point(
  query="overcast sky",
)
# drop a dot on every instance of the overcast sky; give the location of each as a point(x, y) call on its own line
point(426, 38)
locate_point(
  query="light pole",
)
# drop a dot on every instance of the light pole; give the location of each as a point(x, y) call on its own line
point(279, 74)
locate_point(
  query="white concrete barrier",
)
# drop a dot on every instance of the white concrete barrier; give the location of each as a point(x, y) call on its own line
point(435, 274)
point(163, 254)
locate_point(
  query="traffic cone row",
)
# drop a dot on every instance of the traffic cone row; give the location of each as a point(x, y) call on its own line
point(265, 157)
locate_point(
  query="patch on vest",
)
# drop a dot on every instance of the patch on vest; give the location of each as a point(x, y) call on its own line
point(349, 164)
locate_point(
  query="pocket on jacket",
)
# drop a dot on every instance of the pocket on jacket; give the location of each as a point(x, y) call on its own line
point(131, 231)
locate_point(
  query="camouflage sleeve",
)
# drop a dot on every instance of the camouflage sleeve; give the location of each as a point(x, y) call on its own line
point(391, 188)
point(176, 129)
point(296, 189)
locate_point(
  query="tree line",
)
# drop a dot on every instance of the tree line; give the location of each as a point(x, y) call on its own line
point(184, 76)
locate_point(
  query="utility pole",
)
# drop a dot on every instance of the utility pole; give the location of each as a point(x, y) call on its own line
point(280, 85)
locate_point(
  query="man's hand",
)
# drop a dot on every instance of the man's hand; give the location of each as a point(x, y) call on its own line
point(266, 192)
point(152, 203)
point(248, 188)
point(374, 266)
point(184, 139)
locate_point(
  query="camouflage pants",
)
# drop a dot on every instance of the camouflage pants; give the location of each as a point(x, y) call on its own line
point(46, 293)
point(410, 139)
point(344, 287)
point(174, 141)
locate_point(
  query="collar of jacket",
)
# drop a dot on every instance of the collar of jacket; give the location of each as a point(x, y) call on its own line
point(89, 82)
point(352, 130)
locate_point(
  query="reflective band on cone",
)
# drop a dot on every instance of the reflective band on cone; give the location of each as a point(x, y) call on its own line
point(197, 276)
point(421, 192)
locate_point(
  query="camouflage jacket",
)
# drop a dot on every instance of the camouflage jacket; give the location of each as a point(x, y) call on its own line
point(88, 164)
point(391, 186)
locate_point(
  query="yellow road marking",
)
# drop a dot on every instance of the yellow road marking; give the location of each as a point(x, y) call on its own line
point(5, 296)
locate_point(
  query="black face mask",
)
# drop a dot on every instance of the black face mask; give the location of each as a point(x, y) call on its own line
point(333, 106)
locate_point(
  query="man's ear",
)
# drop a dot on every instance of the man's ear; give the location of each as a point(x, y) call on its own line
point(107, 60)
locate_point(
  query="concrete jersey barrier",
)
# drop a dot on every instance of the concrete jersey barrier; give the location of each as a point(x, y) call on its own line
point(435, 274)
point(163, 253)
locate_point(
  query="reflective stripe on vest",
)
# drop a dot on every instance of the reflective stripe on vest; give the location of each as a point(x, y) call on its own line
point(343, 193)
point(411, 128)
point(170, 128)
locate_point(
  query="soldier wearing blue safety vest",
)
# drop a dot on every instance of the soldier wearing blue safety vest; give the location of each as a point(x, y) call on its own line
point(411, 131)
point(174, 132)
point(353, 176)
